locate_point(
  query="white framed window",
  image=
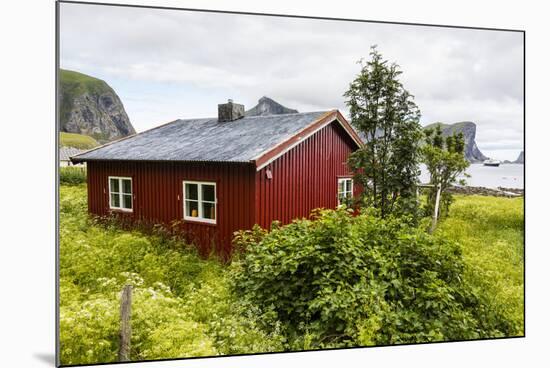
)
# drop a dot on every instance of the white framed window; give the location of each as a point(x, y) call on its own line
point(199, 201)
point(345, 189)
point(120, 193)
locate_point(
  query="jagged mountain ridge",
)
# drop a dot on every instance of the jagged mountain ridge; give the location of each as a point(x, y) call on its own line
point(89, 106)
point(267, 106)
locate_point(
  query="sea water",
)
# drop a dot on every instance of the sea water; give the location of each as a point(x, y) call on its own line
point(505, 175)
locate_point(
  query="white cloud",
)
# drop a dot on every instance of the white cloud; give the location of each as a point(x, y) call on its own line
point(455, 74)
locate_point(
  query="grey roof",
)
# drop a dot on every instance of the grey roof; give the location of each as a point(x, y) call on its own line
point(206, 139)
point(65, 153)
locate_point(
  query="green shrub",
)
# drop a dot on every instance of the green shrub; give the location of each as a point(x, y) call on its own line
point(71, 175)
point(235, 326)
point(342, 280)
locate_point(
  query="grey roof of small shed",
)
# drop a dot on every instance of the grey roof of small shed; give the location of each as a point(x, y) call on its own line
point(207, 139)
point(65, 153)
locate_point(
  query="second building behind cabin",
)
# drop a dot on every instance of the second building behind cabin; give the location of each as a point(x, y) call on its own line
point(65, 154)
point(217, 176)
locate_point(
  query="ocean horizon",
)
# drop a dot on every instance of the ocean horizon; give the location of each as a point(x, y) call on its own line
point(505, 175)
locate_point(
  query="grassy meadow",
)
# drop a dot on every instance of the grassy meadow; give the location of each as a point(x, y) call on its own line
point(79, 141)
point(182, 305)
point(185, 306)
point(491, 233)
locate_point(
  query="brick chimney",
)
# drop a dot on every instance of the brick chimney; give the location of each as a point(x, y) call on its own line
point(230, 111)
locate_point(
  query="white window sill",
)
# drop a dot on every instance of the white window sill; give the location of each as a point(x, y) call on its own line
point(199, 220)
point(117, 209)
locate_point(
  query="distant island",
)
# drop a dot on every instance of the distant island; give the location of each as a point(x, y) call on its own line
point(468, 129)
point(520, 159)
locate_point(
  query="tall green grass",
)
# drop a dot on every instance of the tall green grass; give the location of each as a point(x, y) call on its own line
point(491, 233)
point(72, 175)
point(182, 305)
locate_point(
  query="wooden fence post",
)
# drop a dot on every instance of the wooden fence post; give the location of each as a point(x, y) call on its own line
point(125, 324)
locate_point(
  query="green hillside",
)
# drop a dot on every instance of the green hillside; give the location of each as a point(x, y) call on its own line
point(77, 141)
point(434, 125)
point(74, 84)
point(454, 127)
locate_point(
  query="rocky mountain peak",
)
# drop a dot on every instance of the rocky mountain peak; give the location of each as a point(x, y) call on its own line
point(267, 106)
point(89, 106)
point(468, 129)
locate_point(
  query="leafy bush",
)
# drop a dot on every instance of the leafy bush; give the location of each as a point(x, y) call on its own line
point(71, 175)
point(341, 280)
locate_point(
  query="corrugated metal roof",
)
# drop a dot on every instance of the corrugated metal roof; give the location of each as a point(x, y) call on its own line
point(65, 153)
point(206, 139)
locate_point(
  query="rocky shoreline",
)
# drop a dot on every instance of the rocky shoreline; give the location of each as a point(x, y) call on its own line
point(498, 192)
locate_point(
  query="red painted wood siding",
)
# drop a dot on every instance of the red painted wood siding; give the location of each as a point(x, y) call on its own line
point(158, 196)
point(304, 178)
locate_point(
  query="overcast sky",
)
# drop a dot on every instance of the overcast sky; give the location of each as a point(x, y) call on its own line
point(167, 64)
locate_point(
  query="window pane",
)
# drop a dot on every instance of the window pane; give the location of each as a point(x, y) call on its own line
point(191, 208)
point(208, 193)
point(127, 201)
point(127, 186)
point(115, 200)
point(209, 210)
point(114, 185)
point(348, 185)
point(340, 186)
point(191, 191)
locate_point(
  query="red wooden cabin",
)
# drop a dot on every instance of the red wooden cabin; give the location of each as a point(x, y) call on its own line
point(221, 175)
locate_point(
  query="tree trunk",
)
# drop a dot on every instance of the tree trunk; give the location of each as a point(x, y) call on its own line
point(436, 209)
